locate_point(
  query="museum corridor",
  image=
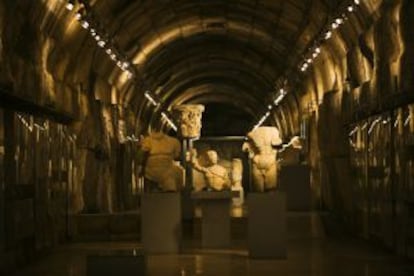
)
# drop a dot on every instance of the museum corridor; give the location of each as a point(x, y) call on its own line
point(207, 137)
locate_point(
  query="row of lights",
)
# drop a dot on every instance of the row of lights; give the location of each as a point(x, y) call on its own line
point(31, 126)
point(132, 138)
point(151, 98)
point(311, 54)
point(169, 121)
point(85, 18)
point(43, 127)
point(314, 51)
point(379, 119)
point(281, 94)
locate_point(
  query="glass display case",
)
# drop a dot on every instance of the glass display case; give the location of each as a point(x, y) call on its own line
point(358, 137)
point(382, 166)
point(405, 166)
point(37, 172)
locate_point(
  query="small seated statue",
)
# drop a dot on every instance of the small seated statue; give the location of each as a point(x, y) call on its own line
point(159, 166)
point(217, 177)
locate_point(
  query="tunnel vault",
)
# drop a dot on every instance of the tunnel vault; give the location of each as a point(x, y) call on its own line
point(83, 109)
point(175, 47)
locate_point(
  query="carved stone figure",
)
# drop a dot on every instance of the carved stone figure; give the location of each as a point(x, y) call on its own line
point(236, 181)
point(189, 117)
point(158, 164)
point(217, 177)
point(260, 146)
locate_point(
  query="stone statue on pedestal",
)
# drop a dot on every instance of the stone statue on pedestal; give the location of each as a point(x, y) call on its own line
point(217, 177)
point(158, 166)
point(262, 146)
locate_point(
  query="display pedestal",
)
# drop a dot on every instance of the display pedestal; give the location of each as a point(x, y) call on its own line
point(295, 181)
point(122, 263)
point(267, 225)
point(215, 222)
point(161, 222)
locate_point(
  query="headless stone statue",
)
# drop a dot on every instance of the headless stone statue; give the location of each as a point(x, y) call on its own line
point(260, 146)
point(217, 177)
point(159, 166)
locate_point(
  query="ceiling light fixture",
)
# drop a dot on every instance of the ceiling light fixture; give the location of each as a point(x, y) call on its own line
point(69, 5)
point(85, 24)
point(85, 17)
point(313, 52)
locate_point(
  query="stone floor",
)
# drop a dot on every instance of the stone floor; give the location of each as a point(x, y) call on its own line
point(310, 252)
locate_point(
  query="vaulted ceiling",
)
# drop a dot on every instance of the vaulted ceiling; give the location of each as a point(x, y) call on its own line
point(231, 52)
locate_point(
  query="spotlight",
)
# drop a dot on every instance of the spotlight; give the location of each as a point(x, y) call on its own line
point(279, 98)
point(350, 8)
point(339, 21)
point(334, 25)
point(101, 43)
point(85, 24)
point(407, 120)
point(328, 35)
point(173, 126)
point(357, 2)
point(70, 5)
point(78, 15)
point(150, 98)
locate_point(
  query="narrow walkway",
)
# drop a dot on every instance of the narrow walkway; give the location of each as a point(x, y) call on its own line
point(305, 257)
point(309, 253)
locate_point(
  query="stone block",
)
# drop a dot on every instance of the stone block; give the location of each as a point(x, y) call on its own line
point(267, 225)
point(161, 222)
